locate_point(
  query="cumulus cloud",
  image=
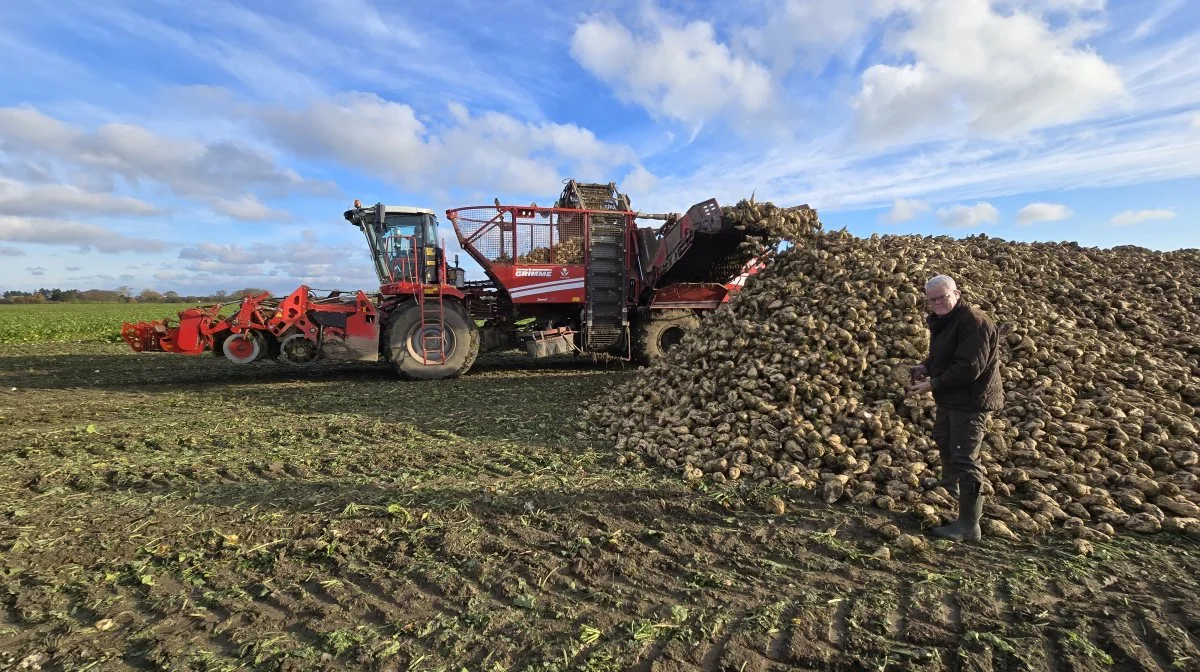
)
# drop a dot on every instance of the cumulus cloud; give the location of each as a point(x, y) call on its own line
point(22, 199)
point(639, 180)
point(225, 254)
point(35, 270)
point(308, 261)
point(1042, 212)
point(977, 70)
point(205, 171)
point(679, 71)
point(1137, 216)
point(960, 216)
point(85, 237)
point(490, 151)
point(905, 210)
point(248, 209)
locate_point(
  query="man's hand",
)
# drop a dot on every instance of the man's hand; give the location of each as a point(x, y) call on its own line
point(919, 388)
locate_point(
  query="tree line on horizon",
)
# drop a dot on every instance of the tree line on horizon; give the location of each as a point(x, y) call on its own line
point(123, 294)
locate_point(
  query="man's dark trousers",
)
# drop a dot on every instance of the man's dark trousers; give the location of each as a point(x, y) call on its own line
point(959, 437)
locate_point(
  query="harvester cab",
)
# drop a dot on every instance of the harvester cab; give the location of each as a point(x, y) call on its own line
point(404, 245)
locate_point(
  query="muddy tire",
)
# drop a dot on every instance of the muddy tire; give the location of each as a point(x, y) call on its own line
point(402, 343)
point(663, 331)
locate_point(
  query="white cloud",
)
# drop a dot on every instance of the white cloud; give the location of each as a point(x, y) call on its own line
point(1136, 216)
point(26, 129)
point(977, 71)
point(905, 210)
point(491, 151)
point(226, 269)
point(1043, 212)
point(1196, 120)
point(1121, 152)
point(639, 180)
point(9, 251)
point(21, 199)
point(209, 171)
point(225, 254)
point(83, 236)
point(248, 208)
point(308, 261)
point(680, 72)
point(960, 216)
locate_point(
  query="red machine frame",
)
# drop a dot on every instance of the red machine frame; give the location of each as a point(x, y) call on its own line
point(568, 285)
point(332, 326)
point(558, 283)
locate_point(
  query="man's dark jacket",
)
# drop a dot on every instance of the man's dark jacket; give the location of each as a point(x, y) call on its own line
point(964, 360)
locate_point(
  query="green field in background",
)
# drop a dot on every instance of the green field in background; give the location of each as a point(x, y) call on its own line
point(86, 322)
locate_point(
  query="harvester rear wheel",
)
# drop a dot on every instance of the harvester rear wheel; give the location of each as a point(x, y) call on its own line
point(662, 332)
point(403, 336)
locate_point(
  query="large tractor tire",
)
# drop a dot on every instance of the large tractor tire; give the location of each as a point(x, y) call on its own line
point(402, 342)
point(662, 332)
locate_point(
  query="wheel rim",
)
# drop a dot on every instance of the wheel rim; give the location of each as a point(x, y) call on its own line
point(242, 349)
point(670, 337)
point(298, 350)
point(430, 334)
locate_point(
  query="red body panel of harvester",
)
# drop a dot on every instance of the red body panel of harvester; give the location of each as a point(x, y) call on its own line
point(542, 283)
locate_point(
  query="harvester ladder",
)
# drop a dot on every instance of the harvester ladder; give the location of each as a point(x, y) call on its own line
point(432, 309)
point(606, 316)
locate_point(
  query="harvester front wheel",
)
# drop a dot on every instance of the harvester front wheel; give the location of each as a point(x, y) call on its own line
point(415, 352)
point(662, 332)
point(244, 348)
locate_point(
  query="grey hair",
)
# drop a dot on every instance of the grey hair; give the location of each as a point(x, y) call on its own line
point(941, 280)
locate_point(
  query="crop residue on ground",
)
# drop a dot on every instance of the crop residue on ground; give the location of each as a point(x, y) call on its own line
point(167, 512)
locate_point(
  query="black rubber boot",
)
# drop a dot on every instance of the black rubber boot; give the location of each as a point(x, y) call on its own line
point(970, 509)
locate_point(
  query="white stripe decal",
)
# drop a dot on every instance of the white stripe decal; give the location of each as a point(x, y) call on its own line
point(526, 291)
point(547, 284)
point(543, 285)
point(577, 284)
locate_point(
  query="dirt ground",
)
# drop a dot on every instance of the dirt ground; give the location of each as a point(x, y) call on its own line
point(165, 512)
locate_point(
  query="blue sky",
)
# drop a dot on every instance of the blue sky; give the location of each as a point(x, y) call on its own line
point(200, 146)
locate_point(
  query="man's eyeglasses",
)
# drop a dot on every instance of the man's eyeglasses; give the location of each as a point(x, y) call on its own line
point(938, 299)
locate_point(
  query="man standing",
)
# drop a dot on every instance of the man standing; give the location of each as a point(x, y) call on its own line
point(963, 373)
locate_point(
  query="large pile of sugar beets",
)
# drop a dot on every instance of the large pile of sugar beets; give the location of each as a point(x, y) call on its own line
point(800, 381)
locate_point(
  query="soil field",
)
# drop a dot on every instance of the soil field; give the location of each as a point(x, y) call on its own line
point(165, 512)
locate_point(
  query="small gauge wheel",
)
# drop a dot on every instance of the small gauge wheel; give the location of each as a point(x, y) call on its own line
point(298, 350)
